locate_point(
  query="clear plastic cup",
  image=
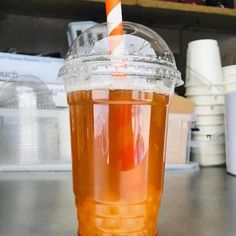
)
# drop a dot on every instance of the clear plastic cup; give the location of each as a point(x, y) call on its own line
point(29, 135)
point(118, 112)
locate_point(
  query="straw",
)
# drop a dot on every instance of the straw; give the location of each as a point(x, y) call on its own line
point(121, 151)
point(115, 26)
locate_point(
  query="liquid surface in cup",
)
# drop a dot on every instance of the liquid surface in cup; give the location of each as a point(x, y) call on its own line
point(118, 145)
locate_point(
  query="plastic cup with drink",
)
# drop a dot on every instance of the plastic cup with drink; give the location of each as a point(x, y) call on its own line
point(118, 115)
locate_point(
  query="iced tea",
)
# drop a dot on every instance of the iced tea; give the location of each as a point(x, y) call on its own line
point(118, 147)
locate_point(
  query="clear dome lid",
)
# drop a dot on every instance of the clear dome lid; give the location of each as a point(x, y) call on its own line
point(144, 54)
point(26, 92)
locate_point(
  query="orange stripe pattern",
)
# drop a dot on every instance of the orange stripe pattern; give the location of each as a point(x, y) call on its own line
point(115, 26)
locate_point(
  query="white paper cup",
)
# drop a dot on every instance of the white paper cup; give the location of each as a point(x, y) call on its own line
point(194, 79)
point(230, 117)
point(209, 120)
point(230, 87)
point(229, 73)
point(209, 129)
point(208, 100)
point(209, 138)
point(203, 60)
point(209, 110)
point(204, 90)
point(208, 148)
point(208, 160)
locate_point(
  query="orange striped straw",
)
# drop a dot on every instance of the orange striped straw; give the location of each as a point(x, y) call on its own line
point(120, 115)
point(115, 26)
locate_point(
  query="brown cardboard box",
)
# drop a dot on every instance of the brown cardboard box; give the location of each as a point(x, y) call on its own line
point(179, 130)
point(180, 104)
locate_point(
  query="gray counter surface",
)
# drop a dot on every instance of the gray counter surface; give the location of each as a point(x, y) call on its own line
point(194, 204)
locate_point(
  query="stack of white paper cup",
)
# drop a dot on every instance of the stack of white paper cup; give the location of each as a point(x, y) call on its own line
point(230, 117)
point(204, 85)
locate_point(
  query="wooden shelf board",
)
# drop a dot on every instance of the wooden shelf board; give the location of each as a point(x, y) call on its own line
point(148, 12)
point(157, 4)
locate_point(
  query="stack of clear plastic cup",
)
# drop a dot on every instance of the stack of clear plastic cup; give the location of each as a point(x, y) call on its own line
point(204, 85)
point(34, 132)
point(229, 73)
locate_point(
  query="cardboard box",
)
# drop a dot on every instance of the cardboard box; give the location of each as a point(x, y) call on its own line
point(179, 130)
point(181, 105)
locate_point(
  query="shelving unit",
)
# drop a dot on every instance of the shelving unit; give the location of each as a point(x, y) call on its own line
point(150, 12)
point(176, 6)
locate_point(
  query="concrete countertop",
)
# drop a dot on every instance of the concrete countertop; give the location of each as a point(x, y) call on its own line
point(200, 203)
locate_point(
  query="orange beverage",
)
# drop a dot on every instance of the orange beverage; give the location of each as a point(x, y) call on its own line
point(118, 149)
point(118, 99)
